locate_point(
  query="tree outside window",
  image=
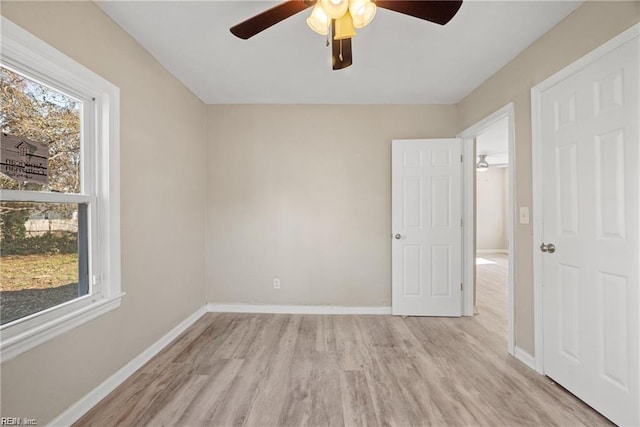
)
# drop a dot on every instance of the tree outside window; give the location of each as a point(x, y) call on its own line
point(38, 240)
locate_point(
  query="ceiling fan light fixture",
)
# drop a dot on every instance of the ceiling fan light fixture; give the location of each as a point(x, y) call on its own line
point(344, 27)
point(482, 165)
point(334, 9)
point(318, 21)
point(347, 15)
point(362, 12)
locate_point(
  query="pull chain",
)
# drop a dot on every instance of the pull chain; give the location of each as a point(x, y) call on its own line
point(329, 30)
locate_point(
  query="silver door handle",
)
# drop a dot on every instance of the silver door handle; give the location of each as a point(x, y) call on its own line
point(549, 247)
point(398, 236)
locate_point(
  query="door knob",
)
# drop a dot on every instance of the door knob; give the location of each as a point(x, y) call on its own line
point(549, 247)
point(397, 236)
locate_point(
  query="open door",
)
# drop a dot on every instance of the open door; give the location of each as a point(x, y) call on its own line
point(426, 218)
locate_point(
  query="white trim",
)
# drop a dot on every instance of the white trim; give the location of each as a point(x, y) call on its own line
point(27, 54)
point(295, 309)
point(469, 249)
point(536, 149)
point(492, 251)
point(40, 196)
point(82, 406)
point(525, 357)
point(468, 226)
point(43, 60)
point(536, 184)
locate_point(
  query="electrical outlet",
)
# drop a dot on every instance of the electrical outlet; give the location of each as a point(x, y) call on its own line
point(276, 283)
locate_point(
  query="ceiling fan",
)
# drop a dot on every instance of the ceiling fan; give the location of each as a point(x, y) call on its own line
point(340, 18)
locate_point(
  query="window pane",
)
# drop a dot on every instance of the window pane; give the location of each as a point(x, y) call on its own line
point(33, 111)
point(40, 262)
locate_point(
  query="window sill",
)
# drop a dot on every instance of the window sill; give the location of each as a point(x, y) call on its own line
point(15, 345)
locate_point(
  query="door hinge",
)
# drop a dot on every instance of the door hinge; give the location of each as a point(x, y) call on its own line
point(461, 223)
point(461, 157)
point(460, 287)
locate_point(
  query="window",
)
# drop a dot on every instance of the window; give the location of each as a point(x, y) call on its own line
point(59, 193)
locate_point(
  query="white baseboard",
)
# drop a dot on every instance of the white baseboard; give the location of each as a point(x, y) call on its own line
point(295, 309)
point(492, 251)
point(525, 357)
point(81, 407)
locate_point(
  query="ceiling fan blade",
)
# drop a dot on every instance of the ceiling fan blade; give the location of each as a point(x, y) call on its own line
point(436, 11)
point(269, 17)
point(341, 56)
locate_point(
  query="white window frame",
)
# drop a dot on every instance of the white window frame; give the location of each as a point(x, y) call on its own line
point(100, 177)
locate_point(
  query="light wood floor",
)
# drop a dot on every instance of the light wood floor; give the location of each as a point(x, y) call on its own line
point(290, 370)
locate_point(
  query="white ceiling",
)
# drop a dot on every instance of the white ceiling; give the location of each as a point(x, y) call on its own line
point(494, 143)
point(397, 59)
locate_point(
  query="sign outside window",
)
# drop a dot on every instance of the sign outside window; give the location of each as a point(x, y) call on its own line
point(23, 159)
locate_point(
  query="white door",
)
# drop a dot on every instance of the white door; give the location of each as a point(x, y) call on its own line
point(426, 225)
point(589, 148)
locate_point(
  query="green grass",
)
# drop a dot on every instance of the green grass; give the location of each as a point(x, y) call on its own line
point(32, 283)
point(19, 272)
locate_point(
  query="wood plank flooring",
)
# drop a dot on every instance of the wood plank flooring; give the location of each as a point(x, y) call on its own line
point(294, 370)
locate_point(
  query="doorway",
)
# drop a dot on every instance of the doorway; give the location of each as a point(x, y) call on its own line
point(491, 242)
point(488, 217)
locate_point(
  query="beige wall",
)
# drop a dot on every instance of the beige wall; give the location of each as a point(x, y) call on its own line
point(296, 192)
point(491, 209)
point(587, 28)
point(162, 174)
point(303, 193)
